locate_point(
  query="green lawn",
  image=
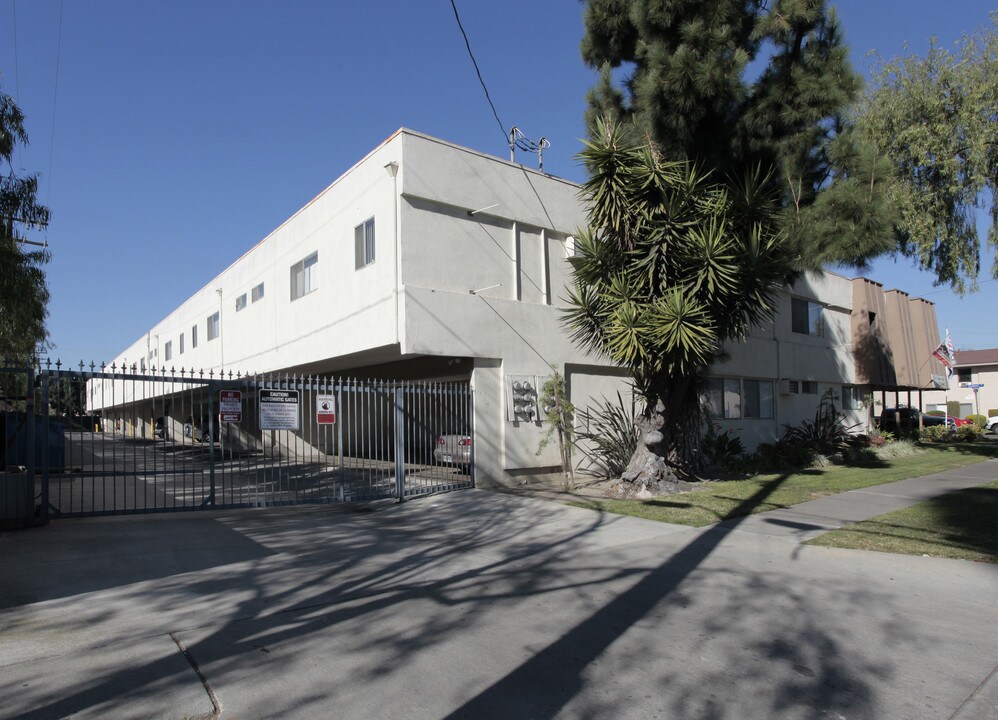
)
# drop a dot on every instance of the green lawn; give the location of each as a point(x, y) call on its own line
point(723, 500)
point(961, 524)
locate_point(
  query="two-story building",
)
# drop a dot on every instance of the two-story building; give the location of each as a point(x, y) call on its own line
point(427, 260)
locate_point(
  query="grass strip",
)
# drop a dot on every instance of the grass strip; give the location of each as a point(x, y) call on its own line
point(723, 500)
point(962, 524)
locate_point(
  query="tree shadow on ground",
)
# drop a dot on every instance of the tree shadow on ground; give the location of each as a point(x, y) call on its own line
point(475, 582)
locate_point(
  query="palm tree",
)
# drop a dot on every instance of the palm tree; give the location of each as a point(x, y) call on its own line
point(671, 265)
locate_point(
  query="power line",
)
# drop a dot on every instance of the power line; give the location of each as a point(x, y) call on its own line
point(479, 72)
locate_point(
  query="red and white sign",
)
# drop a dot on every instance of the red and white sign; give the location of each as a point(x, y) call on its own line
point(325, 409)
point(230, 405)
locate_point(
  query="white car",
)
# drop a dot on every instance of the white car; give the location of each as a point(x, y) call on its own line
point(993, 424)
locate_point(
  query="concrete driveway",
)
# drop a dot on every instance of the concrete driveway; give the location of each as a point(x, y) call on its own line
point(481, 605)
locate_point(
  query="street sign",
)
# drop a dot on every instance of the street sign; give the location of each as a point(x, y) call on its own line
point(325, 409)
point(230, 406)
point(279, 409)
point(972, 386)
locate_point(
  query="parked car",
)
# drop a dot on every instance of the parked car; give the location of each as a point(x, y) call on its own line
point(908, 418)
point(191, 430)
point(993, 424)
point(453, 450)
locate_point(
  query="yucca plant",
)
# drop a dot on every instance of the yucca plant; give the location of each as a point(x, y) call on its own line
point(671, 265)
point(607, 436)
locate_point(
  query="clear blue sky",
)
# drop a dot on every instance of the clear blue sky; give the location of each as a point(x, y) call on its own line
point(175, 135)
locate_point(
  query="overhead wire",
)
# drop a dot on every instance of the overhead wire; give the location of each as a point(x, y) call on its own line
point(515, 137)
point(467, 44)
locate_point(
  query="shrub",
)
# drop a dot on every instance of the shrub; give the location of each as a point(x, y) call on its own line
point(992, 412)
point(953, 408)
point(936, 413)
point(969, 432)
point(935, 433)
point(610, 437)
point(978, 420)
point(722, 448)
point(827, 434)
point(899, 448)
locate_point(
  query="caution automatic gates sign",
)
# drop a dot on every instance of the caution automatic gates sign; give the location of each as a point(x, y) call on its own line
point(279, 409)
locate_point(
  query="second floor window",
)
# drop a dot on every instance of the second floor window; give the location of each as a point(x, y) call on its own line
point(363, 240)
point(240, 302)
point(168, 351)
point(305, 276)
point(806, 318)
point(214, 327)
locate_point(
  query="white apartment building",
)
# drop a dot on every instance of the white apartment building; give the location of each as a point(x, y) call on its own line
point(426, 260)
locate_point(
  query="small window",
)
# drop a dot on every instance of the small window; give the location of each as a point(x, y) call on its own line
point(305, 276)
point(181, 343)
point(965, 375)
point(806, 318)
point(194, 336)
point(142, 364)
point(363, 240)
point(240, 302)
point(569, 246)
point(808, 387)
point(168, 351)
point(214, 327)
point(850, 398)
point(257, 293)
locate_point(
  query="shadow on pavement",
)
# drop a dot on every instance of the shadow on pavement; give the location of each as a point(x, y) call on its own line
point(296, 578)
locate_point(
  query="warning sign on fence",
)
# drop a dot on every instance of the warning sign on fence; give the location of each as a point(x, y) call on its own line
point(325, 409)
point(279, 410)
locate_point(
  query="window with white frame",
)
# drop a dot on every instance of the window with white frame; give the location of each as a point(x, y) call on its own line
point(257, 293)
point(363, 241)
point(241, 302)
point(806, 318)
point(305, 276)
point(214, 326)
point(168, 351)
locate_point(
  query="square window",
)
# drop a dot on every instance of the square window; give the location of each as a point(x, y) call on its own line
point(214, 326)
point(257, 293)
point(808, 387)
point(305, 276)
point(240, 302)
point(964, 375)
point(363, 241)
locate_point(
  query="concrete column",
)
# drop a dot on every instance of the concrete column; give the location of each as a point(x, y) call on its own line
point(489, 430)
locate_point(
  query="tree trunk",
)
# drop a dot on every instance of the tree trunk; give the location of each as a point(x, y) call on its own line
point(668, 449)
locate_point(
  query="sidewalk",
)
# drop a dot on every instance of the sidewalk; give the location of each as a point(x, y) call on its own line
point(808, 520)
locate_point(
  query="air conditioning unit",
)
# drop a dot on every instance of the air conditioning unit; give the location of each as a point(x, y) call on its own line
point(789, 387)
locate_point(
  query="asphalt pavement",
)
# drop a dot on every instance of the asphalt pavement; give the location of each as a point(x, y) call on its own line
point(483, 605)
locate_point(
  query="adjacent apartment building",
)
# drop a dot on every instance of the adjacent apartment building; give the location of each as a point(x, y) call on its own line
point(427, 260)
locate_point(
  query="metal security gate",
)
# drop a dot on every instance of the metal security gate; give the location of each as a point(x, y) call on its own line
point(122, 441)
